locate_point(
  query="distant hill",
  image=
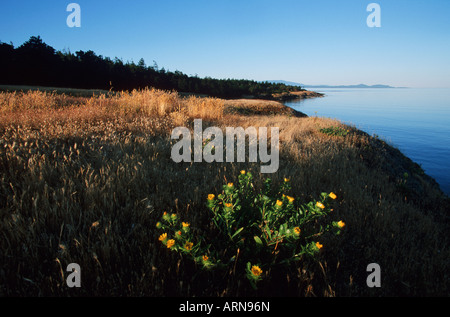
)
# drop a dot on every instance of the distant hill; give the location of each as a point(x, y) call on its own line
point(290, 83)
point(349, 86)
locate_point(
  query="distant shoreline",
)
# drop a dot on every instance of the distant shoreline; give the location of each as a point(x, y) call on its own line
point(290, 83)
point(356, 87)
point(362, 86)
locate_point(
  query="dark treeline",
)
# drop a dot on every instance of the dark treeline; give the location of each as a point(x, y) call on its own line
point(38, 64)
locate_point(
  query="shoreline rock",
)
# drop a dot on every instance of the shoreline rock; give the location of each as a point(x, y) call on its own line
point(248, 107)
point(293, 95)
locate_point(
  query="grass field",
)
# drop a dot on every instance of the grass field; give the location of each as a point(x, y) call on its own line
point(85, 179)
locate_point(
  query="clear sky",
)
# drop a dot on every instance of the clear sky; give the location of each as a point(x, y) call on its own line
point(311, 42)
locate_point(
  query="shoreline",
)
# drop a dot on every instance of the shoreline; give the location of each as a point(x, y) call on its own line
point(436, 178)
point(403, 165)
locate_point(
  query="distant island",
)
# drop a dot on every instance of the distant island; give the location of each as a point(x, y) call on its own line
point(290, 83)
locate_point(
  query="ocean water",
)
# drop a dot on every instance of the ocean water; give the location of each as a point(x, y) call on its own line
point(416, 121)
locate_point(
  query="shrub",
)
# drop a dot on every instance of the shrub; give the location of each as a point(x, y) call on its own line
point(254, 231)
point(335, 131)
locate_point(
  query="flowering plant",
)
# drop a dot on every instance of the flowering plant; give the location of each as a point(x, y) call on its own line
point(269, 228)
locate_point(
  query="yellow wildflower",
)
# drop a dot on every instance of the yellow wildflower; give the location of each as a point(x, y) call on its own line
point(279, 203)
point(188, 246)
point(320, 205)
point(230, 185)
point(318, 245)
point(229, 205)
point(170, 243)
point(243, 172)
point(211, 196)
point(332, 195)
point(163, 237)
point(341, 224)
point(256, 270)
point(185, 224)
point(291, 199)
point(297, 231)
point(286, 180)
point(205, 258)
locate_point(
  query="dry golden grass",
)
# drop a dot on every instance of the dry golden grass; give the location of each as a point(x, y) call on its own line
point(85, 180)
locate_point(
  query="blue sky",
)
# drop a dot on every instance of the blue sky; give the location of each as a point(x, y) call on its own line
point(311, 42)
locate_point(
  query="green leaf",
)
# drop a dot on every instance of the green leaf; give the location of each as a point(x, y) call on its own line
point(258, 240)
point(237, 232)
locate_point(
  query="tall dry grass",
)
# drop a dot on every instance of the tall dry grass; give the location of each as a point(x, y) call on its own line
point(85, 180)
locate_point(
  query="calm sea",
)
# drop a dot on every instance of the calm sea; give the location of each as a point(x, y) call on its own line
point(417, 121)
